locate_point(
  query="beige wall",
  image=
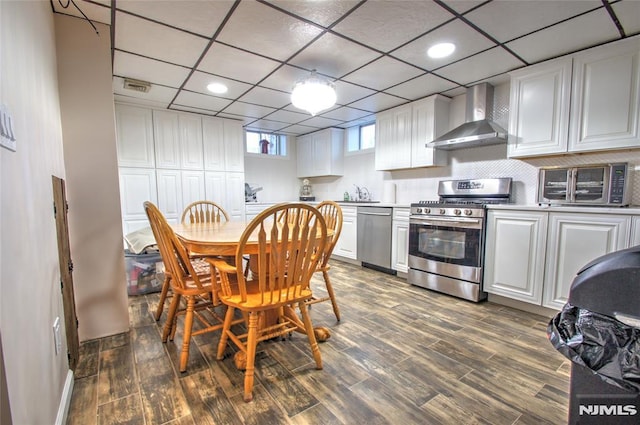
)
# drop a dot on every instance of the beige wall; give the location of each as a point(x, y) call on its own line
point(88, 128)
point(30, 297)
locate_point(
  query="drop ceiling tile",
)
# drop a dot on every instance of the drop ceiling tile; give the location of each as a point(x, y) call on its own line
point(284, 78)
point(378, 102)
point(157, 41)
point(628, 12)
point(248, 109)
point(288, 116)
point(566, 37)
point(157, 94)
point(385, 25)
point(360, 121)
point(299, 129)
point(267, 125)
point(506, 20)
point(483, 65)
point(199, 80)
point(334, 56)
point(346, 113)
point(280, 35)
point(321, 122)
point(244, 120)
point(462, 6)
point(236, 64)
point(267, 97)
point(467, 40)
point(347, 92)
point(200, 17)
point(382, 73)
point(142, 68)
point(421, 86)
point(198, 100)
point(323, 13)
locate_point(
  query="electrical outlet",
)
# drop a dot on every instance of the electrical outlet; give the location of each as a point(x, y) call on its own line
point(56, 335)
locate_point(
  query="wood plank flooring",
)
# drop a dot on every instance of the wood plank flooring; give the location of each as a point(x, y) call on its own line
point(400, 355)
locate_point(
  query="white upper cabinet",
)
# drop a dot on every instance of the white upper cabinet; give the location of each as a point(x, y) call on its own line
point(191, 142)
point(166, 139)
point(430, 121)
point(585, 102)
point(135, 136)
point(393, 138)
point(605, 97)
point(403, 132)
point(539, 109)
point(223, 144)
point(321, 153)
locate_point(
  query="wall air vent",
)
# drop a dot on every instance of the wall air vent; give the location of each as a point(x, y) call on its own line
point(137, 85)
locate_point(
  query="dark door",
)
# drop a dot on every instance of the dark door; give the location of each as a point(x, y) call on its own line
point(66, 270)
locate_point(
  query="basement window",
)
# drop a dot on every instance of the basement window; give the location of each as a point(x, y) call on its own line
point(266, 143)
point(365, 139)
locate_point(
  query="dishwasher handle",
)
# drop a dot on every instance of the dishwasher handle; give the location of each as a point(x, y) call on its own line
point(374, 213)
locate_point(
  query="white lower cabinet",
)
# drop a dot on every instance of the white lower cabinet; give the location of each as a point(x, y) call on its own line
point(347, 243)
point(533, 256)
point(252, 210)
point(515, 254)
point(575, 240)
point(635, 231)
point(400, 240)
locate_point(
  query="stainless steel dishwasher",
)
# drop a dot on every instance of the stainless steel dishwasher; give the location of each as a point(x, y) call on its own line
point(374, 237)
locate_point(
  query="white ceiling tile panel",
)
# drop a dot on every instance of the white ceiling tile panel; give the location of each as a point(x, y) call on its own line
point(506, 20)
point(249, 110)
point(347, 92)
point(267, 125)
point(200, 17)
point(567, 36)
point(287, 116)
point(155, 72)
point(385, 25)
point(199, 81)
point(628, 13)
point(284, 78)
point(346, 113)
point(485, 64)
point(466, 39)
point(377, 102)
point(268, 97)
point(334, 56)
point(323, 12)
point(321, 122)
point(279, 37)
point(237, 64)
point(299, 129)
point(383, 73)
point(421, 86)
point(157, 41)
point(463, 6)
point(95, 12)
point(210, 103)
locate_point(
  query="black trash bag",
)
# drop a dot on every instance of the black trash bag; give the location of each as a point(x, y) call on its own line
point(606, 346)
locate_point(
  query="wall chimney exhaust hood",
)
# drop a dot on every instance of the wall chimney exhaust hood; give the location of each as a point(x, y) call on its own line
point(478, 130)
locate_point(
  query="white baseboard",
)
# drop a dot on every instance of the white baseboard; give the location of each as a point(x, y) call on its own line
point(65, 400)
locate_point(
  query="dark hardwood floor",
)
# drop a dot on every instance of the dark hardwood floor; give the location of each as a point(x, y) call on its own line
point(400, 355)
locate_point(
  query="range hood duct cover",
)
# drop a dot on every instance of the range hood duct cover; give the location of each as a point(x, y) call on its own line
point(479, 130)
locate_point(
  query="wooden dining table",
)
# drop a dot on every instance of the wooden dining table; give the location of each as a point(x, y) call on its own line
point(222, 239)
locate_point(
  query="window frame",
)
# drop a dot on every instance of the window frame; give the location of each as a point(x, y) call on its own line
point(282, 139)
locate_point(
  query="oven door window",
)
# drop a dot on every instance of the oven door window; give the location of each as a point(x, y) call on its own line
point(445, 244)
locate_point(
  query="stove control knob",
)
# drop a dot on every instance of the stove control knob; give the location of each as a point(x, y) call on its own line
point(457, 212)
point(468, 212)
point(427, 210)
point(442, 211)
point(419, 210)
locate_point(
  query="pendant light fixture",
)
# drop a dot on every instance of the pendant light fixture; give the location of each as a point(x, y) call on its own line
point(313, 94)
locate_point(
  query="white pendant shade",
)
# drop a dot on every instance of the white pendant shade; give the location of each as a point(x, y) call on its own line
point(313, 94)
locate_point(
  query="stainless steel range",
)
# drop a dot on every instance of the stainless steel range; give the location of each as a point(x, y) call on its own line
point(446, 237)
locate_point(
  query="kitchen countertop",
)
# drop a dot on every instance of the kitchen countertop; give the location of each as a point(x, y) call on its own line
point(631, 210)
point(346, 203)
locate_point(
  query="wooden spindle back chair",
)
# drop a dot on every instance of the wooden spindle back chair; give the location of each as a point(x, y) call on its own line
point(285, 257)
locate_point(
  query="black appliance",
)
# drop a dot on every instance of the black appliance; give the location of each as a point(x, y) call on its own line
point(446, 237)
point(599, 331)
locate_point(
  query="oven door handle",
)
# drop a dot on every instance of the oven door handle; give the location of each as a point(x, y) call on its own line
point(460, 220)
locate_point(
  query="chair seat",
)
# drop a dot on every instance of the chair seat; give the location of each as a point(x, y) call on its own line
point(255, 298)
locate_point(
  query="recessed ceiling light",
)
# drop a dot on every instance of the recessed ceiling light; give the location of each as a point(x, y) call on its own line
point(441, 50)
point(217, 88)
